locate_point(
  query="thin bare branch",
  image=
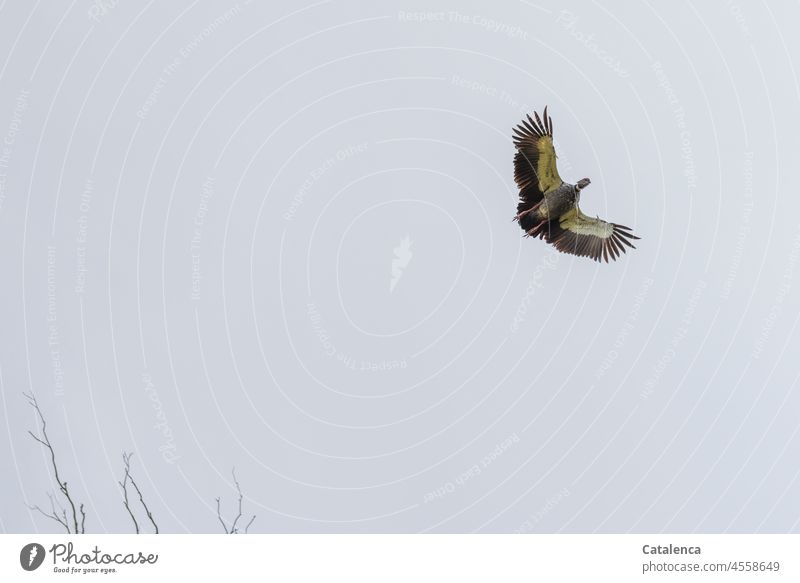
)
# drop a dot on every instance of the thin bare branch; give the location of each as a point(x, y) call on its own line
point(124, 485)
point(37, 439)
point(141, 497)
point(234, 529)
point(44, 440)
point(222, 522)
point(50, 516)
point(126, 458)
point(53, 502)
point(239, 490)
point(53, 514)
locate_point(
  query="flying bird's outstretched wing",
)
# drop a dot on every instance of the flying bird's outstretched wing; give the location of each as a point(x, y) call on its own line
point(535, 169)
point(579, 234)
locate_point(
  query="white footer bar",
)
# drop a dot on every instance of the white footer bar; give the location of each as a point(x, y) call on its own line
point(417, 558)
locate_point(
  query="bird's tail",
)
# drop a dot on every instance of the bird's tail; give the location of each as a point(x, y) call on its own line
point(529, 223)
point(538, 228)
point(529, 218)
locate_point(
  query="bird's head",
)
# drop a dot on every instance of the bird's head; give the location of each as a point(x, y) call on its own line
point(583, 183)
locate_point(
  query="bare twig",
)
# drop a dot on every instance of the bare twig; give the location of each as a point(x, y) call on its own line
point(222, 522)
point(124, 485)
point(239, 490)
point(53, 514)
point(233, 529)
point(126, 458)
point(71, 525)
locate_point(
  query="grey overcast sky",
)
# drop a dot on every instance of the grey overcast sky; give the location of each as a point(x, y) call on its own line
point(277, 237)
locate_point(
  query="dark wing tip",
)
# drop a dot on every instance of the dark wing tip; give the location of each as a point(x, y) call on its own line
point(536, 126)
point(542, 129)
point(525, 131)
point(624, 231)
point(548, 122)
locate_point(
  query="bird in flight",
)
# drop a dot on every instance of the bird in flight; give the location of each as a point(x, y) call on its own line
point(548, 206)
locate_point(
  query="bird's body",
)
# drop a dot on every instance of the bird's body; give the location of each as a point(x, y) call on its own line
point(555, 203)
point(548, 207)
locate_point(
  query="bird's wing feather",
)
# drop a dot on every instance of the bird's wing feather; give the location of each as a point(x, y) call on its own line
point(535, 170)
point(582, 235)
